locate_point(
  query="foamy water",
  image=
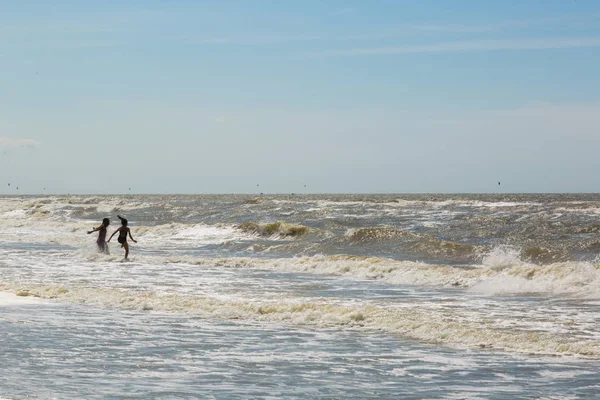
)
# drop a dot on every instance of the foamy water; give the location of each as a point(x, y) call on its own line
point(301, 297)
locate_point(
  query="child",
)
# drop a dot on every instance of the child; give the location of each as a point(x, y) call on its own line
point(102, 247)
point(123, 231)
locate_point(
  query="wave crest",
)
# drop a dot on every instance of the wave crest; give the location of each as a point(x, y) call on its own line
point(274, 229)
point(421, 245)
point(502, 273)
point(375, 234)
point(417, 322)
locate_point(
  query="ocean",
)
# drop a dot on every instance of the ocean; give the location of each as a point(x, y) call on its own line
point(302, 297)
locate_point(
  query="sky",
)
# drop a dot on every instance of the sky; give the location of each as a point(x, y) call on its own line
point(327, 96)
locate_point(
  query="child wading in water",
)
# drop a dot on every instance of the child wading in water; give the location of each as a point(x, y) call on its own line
point(101, 242)
point(123, 232)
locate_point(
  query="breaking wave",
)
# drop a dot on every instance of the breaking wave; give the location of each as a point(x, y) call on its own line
point(280, 229)
point(415, 322)
point(502, 272)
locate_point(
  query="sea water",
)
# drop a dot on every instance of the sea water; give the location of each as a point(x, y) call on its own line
point(301, 297)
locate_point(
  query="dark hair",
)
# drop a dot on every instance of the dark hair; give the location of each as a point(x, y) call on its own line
point(123, 220)
point(106, 222)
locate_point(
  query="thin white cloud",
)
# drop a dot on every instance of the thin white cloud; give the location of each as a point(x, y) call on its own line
point(572, 21)
point(474, 45)
point(6, 142)
point(61, 45)
point(256, 40)
point(547, 24)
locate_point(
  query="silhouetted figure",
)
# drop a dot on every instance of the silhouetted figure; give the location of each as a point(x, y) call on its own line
point(123, 232)
point(101, 241)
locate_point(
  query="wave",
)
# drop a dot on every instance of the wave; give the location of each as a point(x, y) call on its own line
point(441, 201)
point(374, 234)
point(423, 245)
point(544, 255)
point(416, 322)
point(43, 227)
point(274, 229)
point(535, 269)
point(501, 273)
point(436, 247)
point(9, 299)
point(253, 201)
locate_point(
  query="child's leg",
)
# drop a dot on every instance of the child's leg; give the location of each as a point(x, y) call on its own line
point(126, 249)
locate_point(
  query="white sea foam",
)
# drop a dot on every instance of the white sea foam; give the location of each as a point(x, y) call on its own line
point(175, 283)
point(176, 235)
point(502, 272)
point(501, 257)
point(9, 299)
point(31, 228)
point(554, 375)
point(425, 324)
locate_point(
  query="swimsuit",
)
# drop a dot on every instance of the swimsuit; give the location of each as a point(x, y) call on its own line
point(122, 237)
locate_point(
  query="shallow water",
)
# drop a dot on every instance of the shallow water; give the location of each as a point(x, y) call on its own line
point(308, 297)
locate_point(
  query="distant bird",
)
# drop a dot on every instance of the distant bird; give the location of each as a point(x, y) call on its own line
point(498, 183)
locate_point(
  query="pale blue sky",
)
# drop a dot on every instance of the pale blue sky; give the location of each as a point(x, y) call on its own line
point(340, 96)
